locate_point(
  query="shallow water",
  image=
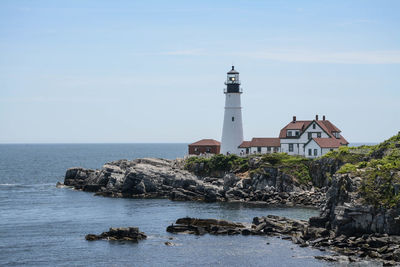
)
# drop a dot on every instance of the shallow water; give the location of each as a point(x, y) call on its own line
point(41, 225)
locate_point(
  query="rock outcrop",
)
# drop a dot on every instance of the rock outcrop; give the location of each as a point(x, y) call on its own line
point(346, 213)
point(119, 234)
point(201, 226)
point(322, 170)
point(380, 247)
point(160, 178)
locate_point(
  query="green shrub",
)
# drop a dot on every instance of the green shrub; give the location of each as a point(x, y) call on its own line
point(283, 159)
point(218, 163)
point(348, 167)
point(380, 176)
point(378, 151)
point(295, 166)
point(348, 154)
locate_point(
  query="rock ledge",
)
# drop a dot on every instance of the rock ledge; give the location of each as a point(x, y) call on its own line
point(119, 234)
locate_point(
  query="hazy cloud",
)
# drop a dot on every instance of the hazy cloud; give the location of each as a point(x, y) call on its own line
point(304, 56)
point(190, 52)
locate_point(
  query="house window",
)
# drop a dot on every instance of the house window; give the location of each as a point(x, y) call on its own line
point(196, 149)
point(313, 126)
point(319, 135)
point(289, 133)
point(259, 149)
point(290, 147)
point(269, 149)
point(275, 149)
point(310, 152)
point(233, 118)
point(208, 149)
point(309, 135)
point(315, 152)
point(331, 149)
point(297, 133)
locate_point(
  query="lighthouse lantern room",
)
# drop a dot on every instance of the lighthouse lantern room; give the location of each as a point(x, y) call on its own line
point(232, 131)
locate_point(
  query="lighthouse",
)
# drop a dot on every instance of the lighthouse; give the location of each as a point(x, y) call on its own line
point(232, 131)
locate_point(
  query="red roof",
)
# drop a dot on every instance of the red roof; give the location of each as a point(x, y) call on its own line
point(329, 142)
point(206, 142)
point(329, 125)
point(326, 125)
point(343, 140)
point(261, 142)
point(297, 125)
point(245, 144)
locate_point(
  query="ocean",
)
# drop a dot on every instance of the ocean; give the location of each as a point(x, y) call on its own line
point(41, 225)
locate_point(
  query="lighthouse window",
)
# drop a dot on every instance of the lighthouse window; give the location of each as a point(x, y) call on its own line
point(233, 118)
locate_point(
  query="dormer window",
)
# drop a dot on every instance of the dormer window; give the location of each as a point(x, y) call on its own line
point(289, 133)
point(297, 133)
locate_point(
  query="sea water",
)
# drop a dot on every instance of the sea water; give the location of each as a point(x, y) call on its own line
point(41, 225)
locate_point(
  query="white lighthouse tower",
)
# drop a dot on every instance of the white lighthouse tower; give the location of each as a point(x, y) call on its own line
point(232, 131)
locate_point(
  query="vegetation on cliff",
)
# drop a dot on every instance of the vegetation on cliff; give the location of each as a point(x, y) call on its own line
point(379, 169)
point(216, 164)
point(349, 154)
point(295, 166)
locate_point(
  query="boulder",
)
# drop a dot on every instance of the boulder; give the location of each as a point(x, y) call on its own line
point(119, 234)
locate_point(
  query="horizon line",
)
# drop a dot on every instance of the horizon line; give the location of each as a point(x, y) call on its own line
point(130, 143)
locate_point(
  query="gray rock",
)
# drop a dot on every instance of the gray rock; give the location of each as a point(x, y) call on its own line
point(119, 234)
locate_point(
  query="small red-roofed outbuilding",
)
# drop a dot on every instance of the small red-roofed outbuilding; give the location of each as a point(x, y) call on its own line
point(205, 146)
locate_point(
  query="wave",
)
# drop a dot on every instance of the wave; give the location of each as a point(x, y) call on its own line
point(27, 185)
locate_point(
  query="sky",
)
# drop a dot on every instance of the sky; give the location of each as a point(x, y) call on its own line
point(154, 71)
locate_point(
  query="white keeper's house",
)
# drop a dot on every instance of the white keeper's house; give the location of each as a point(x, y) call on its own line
point(309, 138)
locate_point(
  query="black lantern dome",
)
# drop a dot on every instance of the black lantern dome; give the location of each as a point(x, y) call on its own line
point(232, 81)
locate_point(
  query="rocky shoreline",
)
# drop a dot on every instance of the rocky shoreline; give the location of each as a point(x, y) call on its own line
point(379, 247)
point(160, 178)
point(356, 190)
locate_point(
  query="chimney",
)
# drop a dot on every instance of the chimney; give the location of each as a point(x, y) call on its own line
point(323, 117)
point(316, 117)
point(294, 119)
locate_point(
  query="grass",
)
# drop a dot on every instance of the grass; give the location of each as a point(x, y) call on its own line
point(217, 163)
point(295, 166)
point(349, 154)
point(380, 172)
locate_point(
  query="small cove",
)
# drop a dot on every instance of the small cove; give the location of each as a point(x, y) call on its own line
point(44, 225)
